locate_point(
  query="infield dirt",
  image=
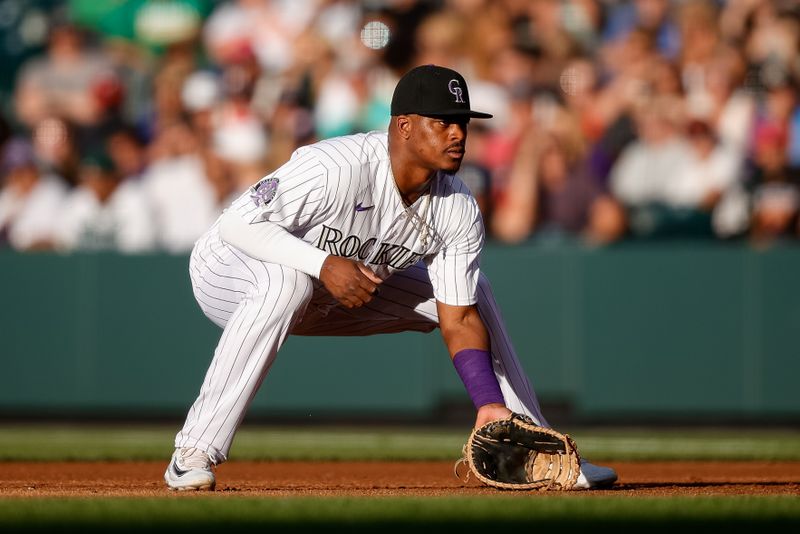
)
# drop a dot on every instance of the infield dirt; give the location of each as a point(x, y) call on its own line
point(336, 479)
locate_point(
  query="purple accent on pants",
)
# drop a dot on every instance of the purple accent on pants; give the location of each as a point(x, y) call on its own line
point(475, 369)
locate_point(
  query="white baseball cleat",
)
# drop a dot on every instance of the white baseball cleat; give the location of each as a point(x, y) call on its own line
point(595, 476)
point(190, 469)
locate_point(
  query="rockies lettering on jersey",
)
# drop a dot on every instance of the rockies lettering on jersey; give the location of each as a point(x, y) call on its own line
point(393, 255)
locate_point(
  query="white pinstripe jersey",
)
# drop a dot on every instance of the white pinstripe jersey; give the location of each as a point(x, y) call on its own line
point(340, 196)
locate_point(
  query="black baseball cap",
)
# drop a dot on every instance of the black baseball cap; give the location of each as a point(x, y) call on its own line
point(433, 91)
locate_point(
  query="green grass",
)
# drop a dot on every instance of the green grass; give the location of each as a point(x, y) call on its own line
point(217, 512)
point(47, 443)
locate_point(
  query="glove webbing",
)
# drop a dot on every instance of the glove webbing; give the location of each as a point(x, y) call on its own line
point(558, 475)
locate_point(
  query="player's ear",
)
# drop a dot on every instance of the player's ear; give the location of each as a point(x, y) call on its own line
point(403, 123)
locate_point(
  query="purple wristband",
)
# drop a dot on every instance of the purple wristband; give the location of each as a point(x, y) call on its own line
point(475, 369)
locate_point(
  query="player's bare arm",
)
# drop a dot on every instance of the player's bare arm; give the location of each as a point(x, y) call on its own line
point(351, 282)
point(463, 330)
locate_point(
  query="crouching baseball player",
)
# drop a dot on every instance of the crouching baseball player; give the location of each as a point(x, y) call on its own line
point(356, 235)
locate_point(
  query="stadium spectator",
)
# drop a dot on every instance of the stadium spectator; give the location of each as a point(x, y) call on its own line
point(200, 94)
point(266, 30)
point(166, 105)
point(650, 169)
point(68, 82)
point(776, 196)
point(28, 198)
point(127, 152)
point(551, 192)
point(104, 213)
point(184, 199)
point(56, 148)
point(710, 169)
point(651, 16)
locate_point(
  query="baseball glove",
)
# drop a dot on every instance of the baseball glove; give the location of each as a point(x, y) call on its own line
point(516, 454)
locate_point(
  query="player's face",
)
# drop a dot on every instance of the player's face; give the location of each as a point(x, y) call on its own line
point(441, 141)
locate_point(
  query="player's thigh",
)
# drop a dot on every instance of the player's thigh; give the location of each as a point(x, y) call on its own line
point(408, 294)
point(220, 278)
point(405, 302)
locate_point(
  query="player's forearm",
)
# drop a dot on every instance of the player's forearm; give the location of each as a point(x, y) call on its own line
point(468, 342)
point(270, 242)
point(462, 328)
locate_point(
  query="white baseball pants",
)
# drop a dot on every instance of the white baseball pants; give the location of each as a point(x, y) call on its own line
point(259, 304)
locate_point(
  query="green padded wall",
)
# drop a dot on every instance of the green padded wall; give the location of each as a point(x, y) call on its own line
point(636, 330)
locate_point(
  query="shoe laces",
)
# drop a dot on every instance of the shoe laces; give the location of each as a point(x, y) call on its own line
point(195, 458)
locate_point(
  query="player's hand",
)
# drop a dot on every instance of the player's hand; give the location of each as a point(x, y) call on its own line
point(350, 282)
point(491, 412)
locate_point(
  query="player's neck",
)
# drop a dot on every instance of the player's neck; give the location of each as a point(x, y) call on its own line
point(412, 179)
point(410, 192)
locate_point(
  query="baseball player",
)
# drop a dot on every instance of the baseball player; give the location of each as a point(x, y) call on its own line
point(356, 235)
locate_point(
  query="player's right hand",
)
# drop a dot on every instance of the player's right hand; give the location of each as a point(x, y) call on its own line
point(350, 282)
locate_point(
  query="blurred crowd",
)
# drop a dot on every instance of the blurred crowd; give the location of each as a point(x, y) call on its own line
point(132, 124)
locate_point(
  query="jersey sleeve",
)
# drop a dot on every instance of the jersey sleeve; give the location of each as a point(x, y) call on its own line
point(291, 197)
point(454, 270)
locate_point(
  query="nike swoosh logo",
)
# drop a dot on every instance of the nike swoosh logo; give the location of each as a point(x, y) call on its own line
point(178, 472)
point(359, 207)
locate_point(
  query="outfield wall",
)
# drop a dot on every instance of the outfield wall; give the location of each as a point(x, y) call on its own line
point(637, 330)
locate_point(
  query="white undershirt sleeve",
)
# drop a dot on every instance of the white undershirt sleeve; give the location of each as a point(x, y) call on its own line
point(270, 242)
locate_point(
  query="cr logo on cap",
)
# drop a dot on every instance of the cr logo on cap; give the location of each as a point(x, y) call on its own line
point(456, 90)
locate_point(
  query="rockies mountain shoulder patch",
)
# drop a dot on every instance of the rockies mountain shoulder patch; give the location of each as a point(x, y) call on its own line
point(264, 191)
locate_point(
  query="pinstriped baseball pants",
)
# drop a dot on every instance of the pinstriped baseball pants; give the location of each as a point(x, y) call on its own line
point(259, 304)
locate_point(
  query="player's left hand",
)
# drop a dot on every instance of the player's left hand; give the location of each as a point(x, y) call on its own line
point(491, 412)
point(516, 454)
